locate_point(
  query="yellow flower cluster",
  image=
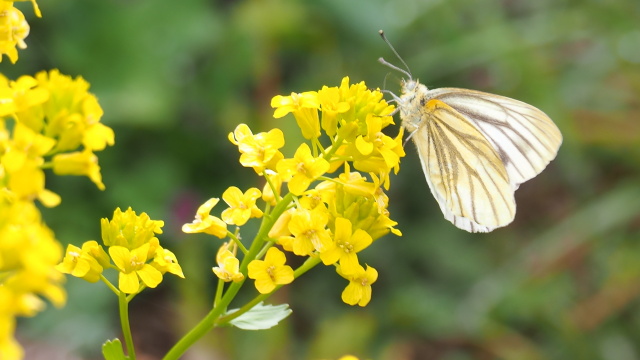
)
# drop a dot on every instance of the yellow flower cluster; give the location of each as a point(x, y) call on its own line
point(134, 249)
point(13, 29)
point(52, 117)
point(330, 213)
point(28, 254)
point(49, 121)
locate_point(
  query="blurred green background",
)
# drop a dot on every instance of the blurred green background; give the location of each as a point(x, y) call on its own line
point(175, 77)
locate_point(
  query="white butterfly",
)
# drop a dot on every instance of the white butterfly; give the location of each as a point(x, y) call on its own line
point(475, 148)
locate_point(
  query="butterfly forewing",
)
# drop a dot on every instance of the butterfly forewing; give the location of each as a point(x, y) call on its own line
point(525, 137)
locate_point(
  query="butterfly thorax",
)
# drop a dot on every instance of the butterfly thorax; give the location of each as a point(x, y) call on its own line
point(412, 104)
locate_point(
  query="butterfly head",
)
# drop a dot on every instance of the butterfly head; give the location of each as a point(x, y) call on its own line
point(409, 85)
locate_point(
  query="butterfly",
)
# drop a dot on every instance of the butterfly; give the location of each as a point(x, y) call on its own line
point(475, 148)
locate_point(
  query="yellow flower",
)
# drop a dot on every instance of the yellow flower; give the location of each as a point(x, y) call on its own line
point(302, 169)
point(359, 289)
point(309, 231)
point(29, 254)
point(133, 268)
point(166, 262)
point(25, 146)
point(332, 105)
point(271, 271)
point(259, 151)
point(313, 198)
point(129, 230)
point(96, 251)
point(352, 182)
point(22, 95)
point(345, 246)
point(280, 230)
point(81, 264)
point(242, 206)
point(363, 203)
point(13, 30)
point(380, 225)
point(98, 136)
point(28, 184)
point(365, 101)
point(83, 163)
point(206, 223)
point(73, 113)
point(304, 107)
point(228, 264)
point(384, 158)
point(22, 159)
point(9, 347)
point(375, 139)
point(36, 9)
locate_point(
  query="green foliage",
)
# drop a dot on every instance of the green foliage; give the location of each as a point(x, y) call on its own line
point(260, 317)
point(112, 350)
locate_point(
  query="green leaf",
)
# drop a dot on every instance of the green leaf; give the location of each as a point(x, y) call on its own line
point(112, 350)
point(260, 317)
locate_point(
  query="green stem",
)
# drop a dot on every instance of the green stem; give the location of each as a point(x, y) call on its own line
point(306, 266)
point(317, 147)
point(264, 249)
point(109, 284)
point(238, 242)
point(276, 192)
point(218, 296)
point(262, 235)
point(209, 321)
point(124, 321)
point(204, 326)
point(334, 147)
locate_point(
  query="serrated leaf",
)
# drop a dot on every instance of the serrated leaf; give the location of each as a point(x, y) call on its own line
point(260, 317)
point(112, 350)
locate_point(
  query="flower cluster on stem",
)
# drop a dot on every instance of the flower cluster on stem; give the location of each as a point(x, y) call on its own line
point(326, 201)
point(49, 122)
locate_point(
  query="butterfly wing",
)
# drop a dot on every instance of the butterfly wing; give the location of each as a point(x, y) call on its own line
point(465, 173)
point(525, 138)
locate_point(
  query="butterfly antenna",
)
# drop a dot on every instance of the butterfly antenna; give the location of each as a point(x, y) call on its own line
point(386, 63)
point(384, 82)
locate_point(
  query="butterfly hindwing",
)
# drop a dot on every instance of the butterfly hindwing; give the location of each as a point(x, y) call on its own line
point(465, 173)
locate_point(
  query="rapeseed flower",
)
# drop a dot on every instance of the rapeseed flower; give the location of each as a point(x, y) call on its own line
point(304, 107)
point(271, 271)
point(309, 230)
point(345, 246)
point(228, 268)
point(206, 223)
point(359, 289)
point(81, 264)
point(133, 268)
point(242, 206)
point(13, 30)
point(259, 151)
point(129, 230)
point(165, 261)
point(302, 169)
point(79, 163)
